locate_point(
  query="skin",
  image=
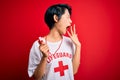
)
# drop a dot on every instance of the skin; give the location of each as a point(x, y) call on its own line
point(55, 34)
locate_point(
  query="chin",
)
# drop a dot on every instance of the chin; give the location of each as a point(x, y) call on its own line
point(64, 33)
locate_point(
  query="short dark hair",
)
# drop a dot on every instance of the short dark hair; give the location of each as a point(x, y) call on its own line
point(57, 9)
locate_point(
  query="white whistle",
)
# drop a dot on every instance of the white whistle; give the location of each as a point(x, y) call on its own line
point(42, 39)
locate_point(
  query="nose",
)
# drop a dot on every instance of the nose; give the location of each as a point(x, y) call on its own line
point(70, 21)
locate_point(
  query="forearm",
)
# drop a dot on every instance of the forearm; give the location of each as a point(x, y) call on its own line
point(76, 59)
point(39, 71)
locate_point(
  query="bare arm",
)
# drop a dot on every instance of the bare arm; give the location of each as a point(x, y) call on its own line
point(39, 71)
point(76, 57)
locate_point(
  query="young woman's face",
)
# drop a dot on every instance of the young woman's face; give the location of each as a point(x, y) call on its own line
point(64, 22)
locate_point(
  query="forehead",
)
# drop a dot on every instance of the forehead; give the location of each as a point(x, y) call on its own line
point(66, 12)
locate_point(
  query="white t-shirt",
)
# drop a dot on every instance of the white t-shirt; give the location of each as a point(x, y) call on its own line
point(59, 64)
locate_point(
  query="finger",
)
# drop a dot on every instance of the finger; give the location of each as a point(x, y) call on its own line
point(68, 33)
point(74, 29)
point(71, 30)
point(44, 46)
point(46, 49)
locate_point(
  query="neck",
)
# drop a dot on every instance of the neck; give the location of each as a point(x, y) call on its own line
point(54, 35)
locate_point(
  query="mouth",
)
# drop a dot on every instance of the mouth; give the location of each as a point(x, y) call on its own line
point(68, 26)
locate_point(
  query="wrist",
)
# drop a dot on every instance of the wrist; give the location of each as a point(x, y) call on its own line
point(78, 45)
point(44, 58)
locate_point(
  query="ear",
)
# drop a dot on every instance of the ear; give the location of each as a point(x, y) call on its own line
point(55, 17)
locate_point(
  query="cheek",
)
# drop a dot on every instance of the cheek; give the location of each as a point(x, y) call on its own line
point(62, 23)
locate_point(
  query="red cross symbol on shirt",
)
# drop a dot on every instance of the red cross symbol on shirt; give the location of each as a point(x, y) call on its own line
point(61, 68)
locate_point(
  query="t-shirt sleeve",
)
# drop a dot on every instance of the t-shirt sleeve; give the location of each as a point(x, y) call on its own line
point(34, 58)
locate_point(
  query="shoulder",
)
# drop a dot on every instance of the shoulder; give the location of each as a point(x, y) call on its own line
point(67, 39)
point(34, 47)
point(35, 43)
point(34, 51)
point(68, 42)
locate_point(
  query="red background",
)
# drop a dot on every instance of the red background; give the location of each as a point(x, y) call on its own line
point(97, 23)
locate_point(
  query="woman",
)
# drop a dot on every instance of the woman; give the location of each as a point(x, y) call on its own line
point(55, 56)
